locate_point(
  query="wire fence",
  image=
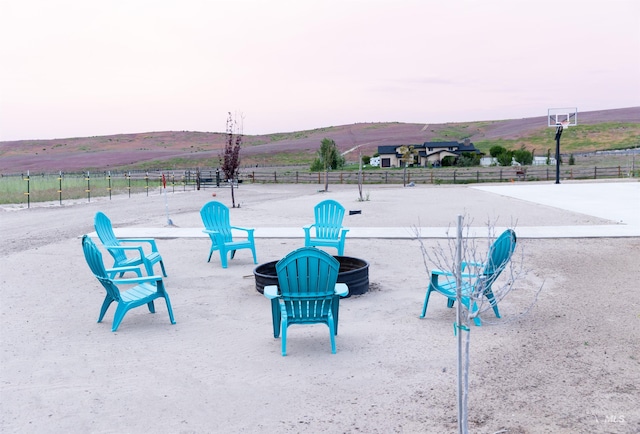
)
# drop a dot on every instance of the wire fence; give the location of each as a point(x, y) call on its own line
point(27, 188)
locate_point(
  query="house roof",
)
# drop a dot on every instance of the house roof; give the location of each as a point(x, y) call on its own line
point(423, 149)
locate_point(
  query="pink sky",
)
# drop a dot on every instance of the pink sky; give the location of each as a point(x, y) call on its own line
point(74, 68)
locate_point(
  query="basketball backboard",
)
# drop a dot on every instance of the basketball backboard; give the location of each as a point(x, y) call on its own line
point(566, 116)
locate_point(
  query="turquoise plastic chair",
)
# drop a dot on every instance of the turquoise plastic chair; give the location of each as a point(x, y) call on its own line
point(144, 291)
point(497, 259)
point(215, 217)
point(119, 252)
point(327, 227)
point(307, 292)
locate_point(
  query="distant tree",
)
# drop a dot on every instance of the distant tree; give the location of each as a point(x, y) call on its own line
point(408, 158)
point(523, 156)
point(548, 157)
point(572, 160)
point(496, 150)
point(468, 159)
point(328, 158)
point(448, 161)
point(505, 159)
point(366, 159)
point(230, 159)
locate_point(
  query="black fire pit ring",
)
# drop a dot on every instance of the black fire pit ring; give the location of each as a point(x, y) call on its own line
point(353, 271)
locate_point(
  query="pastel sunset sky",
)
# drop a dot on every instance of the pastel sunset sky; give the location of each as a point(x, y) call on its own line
point(75, 68)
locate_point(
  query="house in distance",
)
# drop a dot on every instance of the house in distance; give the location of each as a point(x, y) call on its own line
point(427, 154)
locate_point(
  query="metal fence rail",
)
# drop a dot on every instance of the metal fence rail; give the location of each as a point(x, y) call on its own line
point(59, 186)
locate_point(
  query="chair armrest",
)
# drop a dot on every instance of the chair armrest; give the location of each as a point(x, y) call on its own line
point(248, 230)
point(341, 289)
point(124, 270)
point(450, 274)
point(138, 248)
point(151, 242)
point(271, 292)
point(138, 279)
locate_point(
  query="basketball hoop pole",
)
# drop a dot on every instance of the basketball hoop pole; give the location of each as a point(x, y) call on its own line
point(559, 129)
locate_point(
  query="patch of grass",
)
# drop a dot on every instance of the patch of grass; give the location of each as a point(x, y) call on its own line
point(578, 139)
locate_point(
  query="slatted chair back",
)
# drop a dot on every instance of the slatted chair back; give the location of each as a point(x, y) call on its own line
point(499, 256)
point(307, 278)
point(104, 229)
point(94, 260)
point(215, 217)
point(328, 219)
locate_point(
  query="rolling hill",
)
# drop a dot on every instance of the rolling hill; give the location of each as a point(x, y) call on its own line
point(596, 130)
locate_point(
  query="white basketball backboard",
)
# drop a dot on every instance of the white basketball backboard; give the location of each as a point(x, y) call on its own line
point(566, 116)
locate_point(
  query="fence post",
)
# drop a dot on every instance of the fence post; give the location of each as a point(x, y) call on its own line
point(501, 175)
point(60, 187)
point(296, 176)
point(28, 193)
point(386, 180)
point(109, 187)
point(595, 173)
point(454, 176)
point(478, 176)
point(146, 176)
point(275, 176)
point(88, 187)
point(619, 172)
point(431, 175)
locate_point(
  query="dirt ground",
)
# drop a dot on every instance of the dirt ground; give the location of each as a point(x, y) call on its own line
point(571, 364)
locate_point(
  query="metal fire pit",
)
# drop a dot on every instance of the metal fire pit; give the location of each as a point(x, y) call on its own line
point(353, 271)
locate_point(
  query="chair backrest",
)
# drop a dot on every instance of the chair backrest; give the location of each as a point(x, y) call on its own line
point(306, 273)
point(94, 260)
point(104, 230)
point(499, 255)
point(328, 215)
point(215, 217)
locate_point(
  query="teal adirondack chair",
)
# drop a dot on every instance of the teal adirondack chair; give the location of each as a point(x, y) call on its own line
point(497, 259)
point(307, 292)
point(119, 252)
point(144, 290)
point(215, 217)
point(328, 230)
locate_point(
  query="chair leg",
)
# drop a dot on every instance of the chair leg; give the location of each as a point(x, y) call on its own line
point(426, 302)
point(275, 316)
point(105, 305)
point(152, 307)
point(255, 258)
point(494, 304)
point(223, 258)
point(284, 338)
point(335, 309)
point(117, 319)
point(166, 299)
point(233, 254)
point(164, 273)
point(332, 333)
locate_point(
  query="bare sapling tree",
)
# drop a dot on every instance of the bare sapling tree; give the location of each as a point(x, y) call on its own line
point(465, 259)
point(230, 159)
